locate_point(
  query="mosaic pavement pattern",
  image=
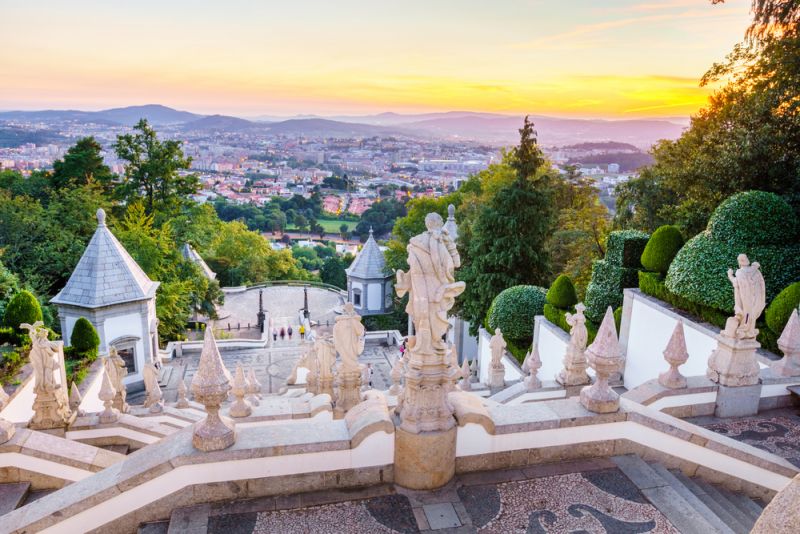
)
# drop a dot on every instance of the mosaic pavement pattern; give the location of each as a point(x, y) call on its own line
point(778, 432)
point(601, 501)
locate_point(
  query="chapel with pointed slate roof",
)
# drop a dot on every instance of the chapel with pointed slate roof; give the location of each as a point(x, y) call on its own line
point(369, 287)
point(109, 289)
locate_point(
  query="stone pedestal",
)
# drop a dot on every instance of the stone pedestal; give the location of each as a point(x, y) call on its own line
point(51, 410)
point(574, 374)
point(737, 401)
point(599, 398)
point(349, 392)
point(733, 363)
point(497, 378)
point(325, 386)
point(426, 460)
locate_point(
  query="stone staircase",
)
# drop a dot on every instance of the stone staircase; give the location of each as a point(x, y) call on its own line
point(692, 505)
point(16, 494)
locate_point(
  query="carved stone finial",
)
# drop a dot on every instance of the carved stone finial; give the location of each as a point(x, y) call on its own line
point(101, 217)
point(575, 364)
point(604, 356)
point(182, 401)
point(676, 355)
point(789, 343)
point(253, 388)
point(210, 386)
point(396, 376)
point(534, 363)
point(240, 407)
point(465, 384)
point(107, 394)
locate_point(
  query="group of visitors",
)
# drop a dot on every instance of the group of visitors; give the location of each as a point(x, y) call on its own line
point(288, 331)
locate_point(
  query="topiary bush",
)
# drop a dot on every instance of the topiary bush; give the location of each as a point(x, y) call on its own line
point(84, 339)
point(513, 311)
point(562, 293)
point(22, 308)
point(698, 272)
point(780, 309)
point(624, 248)
point(662, 247)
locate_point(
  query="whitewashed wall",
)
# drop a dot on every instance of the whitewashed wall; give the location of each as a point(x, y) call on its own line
point(552, 342)
point(374, 297)
point(647, 325)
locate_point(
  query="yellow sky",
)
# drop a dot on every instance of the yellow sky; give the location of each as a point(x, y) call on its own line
point(613, 58)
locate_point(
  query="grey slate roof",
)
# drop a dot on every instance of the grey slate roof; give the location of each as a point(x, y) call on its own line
point(370, 263)
point(106, 274)
point(191, 254)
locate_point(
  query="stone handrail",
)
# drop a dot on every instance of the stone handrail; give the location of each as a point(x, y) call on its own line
point(290, 283)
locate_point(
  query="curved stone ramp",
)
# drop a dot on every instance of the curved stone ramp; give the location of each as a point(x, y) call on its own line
point(265, 460)
point(48, 462)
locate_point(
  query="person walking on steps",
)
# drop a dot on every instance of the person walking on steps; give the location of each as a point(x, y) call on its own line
point(302, 331)
point(289, 331)
point(283, 333)
point(274, 334)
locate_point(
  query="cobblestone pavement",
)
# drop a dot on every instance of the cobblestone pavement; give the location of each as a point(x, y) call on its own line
point(595, 497)
point(775, 431)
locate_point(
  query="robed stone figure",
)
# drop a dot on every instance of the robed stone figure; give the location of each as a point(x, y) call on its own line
point(749, 293)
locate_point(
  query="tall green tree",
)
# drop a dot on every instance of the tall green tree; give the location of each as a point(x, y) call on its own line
point(508, 241)
point(153, 170)
point(82, 165)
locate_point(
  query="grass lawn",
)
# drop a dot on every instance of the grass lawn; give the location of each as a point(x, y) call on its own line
point(331, 225)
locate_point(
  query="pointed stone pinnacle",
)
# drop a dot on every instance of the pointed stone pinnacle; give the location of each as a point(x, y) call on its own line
point(675, 354)
point(604, 356)
point(107, 394)
point(240, 407)
point(210, 386)
point(789, 342)
point(211, 378)
point(182, 402)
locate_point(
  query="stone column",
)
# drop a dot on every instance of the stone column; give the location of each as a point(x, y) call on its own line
point(210, 386)
point(604, 356)
point(676, 355)
point(789, 343)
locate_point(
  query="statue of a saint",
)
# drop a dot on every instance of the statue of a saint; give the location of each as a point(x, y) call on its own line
point(432, 258)
point(154, 395)
point(44, 358)
point(578, 335)
point(348, 337)
point(326, 357)
point(749, 294)
point(498, 346)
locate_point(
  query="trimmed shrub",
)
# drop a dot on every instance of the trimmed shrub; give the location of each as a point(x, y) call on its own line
point(753, 219)
point(23, 308)
point(781, 307)
point(662, 247)
point(624, 248)
point(84, 339)
point(562, 293)
point(513, 311)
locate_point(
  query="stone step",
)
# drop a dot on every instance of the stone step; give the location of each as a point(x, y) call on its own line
point(12, 496)
point(746, 504)
point(720, 497)
point(659, 492)
point(189, 520)
point(720, 510)
point(691, 498)
point(121, 449)
point(156, 527)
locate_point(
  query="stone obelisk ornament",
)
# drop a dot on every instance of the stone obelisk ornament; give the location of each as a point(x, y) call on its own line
point(348, 338)
point(604, 356)
point(676, 355)
point(51, 404)
point(733, 363)
point(240, 407)
point(210, 387)
point(107, 394)
point(425, 438)
point(182, 401)
point(789, 343)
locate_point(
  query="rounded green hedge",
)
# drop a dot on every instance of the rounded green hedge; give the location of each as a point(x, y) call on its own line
point(562, 293)
point(754, 218)
point(699, 271)
point(781, 307)
point(513, 311)
point(661, 249)
point(22, 308)
point(84, 338)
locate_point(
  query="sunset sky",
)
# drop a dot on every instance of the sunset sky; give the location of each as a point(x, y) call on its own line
point(582, 58)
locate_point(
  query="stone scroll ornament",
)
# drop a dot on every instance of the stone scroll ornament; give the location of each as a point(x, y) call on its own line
point(51, 404)
point(432, 289)
point(348, 340)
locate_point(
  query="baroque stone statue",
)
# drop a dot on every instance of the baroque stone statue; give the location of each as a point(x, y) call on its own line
point(574, 371)
point(117, 372)
point(348, 338)
point(432, 288)
point(154, 397)
point(497, 372)
point(749, 294)
point(51, 404)
point(326, 358)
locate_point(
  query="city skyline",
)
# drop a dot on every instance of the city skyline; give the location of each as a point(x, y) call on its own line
point(632, 59)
